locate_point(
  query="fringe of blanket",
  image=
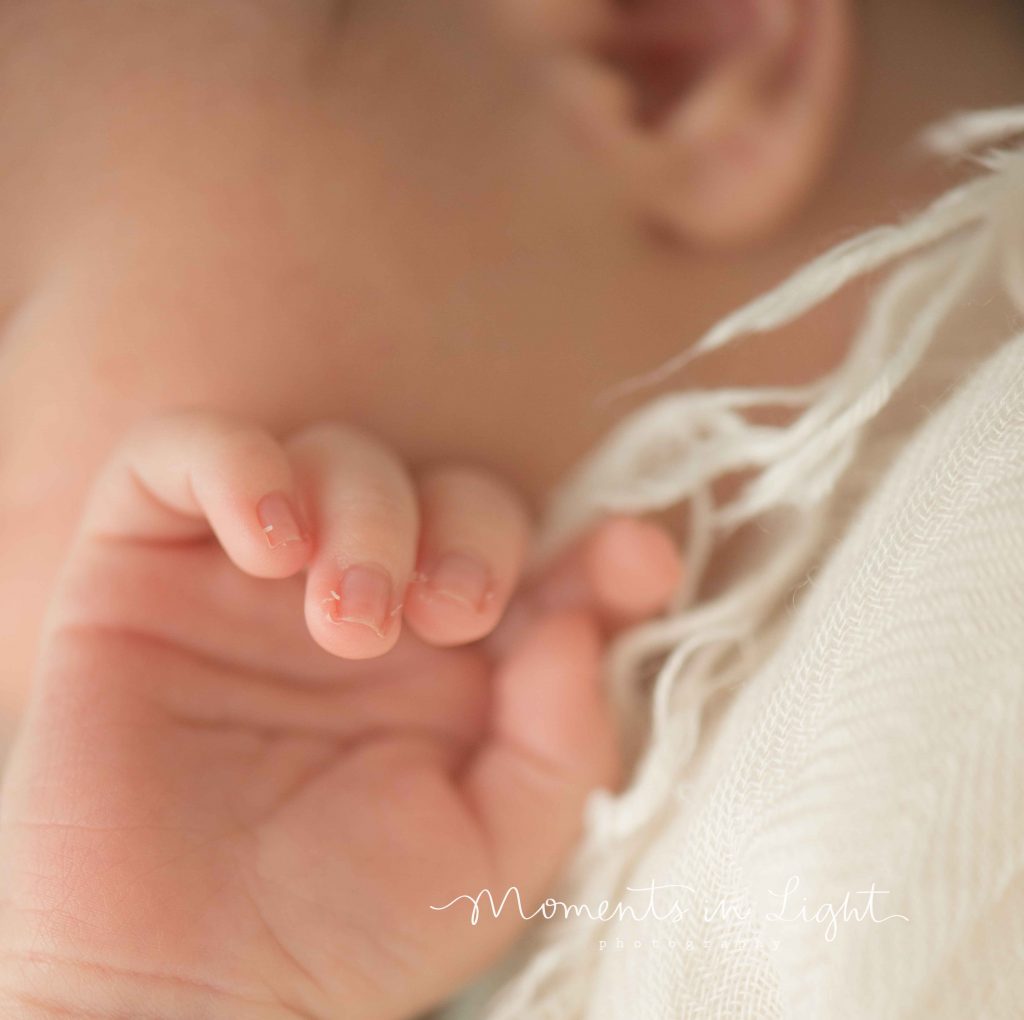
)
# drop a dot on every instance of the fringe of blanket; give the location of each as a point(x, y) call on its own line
point(672, 451)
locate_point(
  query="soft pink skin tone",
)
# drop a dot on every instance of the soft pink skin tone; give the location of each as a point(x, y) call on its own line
point(238, 206)
point(214, 807)
point(262, 219)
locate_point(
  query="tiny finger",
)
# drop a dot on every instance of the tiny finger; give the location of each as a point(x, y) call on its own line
point(473, 541)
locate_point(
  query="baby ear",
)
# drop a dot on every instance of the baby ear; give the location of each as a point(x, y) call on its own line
point(716, 116)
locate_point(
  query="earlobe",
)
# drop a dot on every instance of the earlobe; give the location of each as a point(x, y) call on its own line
point(717, 116)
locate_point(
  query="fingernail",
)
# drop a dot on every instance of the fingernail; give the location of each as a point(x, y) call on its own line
point(461, 578)
point(279, 521)
point(363, 597)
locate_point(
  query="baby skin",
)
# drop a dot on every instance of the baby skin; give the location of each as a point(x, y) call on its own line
point(291, 696)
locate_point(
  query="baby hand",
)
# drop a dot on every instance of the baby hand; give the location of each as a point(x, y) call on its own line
point(266, 735)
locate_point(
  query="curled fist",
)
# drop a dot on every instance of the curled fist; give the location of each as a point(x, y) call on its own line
point(291, 695)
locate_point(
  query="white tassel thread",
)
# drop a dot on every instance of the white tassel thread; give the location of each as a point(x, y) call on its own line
point(672, 451)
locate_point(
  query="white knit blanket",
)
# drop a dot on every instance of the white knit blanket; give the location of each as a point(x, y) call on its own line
point(829, 795)
point(883, 746)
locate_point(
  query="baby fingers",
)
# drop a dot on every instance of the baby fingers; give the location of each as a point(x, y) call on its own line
point(472, 546)
point(443, 551)
point(180, 476)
